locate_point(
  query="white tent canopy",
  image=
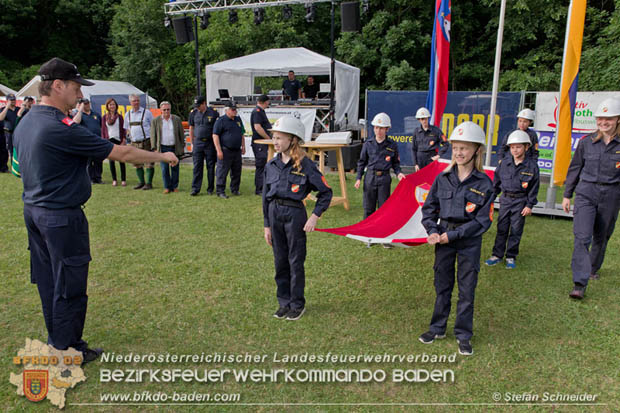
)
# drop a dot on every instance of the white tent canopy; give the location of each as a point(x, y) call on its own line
point(100, 87)
point(5, 90)
point(237, 75)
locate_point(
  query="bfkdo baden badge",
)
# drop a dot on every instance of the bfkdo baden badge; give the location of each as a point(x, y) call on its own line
point(295, 188)
point(470, 207)
point(524, 185)
point(36, 383)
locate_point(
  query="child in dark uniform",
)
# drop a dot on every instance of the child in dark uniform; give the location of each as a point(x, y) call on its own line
point(457, 211)
point(289, 177)
point(379, 155)
point(517, 178)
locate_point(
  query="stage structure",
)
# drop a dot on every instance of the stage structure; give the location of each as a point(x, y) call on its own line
point(204, 7)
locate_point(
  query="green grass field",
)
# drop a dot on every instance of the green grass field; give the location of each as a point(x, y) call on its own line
point(191, 275)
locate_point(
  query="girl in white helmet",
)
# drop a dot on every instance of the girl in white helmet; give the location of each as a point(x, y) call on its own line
point(594, 177)
point(517, 178)
point(457, 211)
point(289, 177)
point(525, 118)
point(429, 142)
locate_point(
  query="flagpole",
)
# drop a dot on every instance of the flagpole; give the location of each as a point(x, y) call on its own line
point(498, 58)
point(552, 189)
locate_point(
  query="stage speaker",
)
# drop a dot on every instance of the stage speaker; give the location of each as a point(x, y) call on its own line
point(183, 29)
point(350, 16)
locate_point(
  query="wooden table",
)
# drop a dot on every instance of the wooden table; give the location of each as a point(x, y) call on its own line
point(319, 149)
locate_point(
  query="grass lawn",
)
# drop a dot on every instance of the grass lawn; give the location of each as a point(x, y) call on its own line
point(191, 275)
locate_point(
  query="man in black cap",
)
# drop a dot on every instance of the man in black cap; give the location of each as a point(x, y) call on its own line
point(260, 126)
point(8, 116)
point(201, 122)
point(53, 152)
point(91, 120)
point(229, 143)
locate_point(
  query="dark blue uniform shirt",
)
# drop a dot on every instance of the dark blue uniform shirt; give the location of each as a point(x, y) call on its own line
point(285, 182)
point(291, 88)
point(430, 140)
point(53, 153)
point(10, 119)
point(521, 180)
point(92, 122)
point(203, 122)
point(532, 152)
point(259, 116)
point(468, 203)
point(230, 132)
point(593, 162)
point(378, 157)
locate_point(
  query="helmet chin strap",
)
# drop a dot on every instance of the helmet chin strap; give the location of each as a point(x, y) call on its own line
point(472, 158)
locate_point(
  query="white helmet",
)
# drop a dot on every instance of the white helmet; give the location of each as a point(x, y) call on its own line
point(608, 108)
point(290, 124)
point(527, 114)
point(518, 136)
point(468, 132)
point(382, 120)
point(422, 113)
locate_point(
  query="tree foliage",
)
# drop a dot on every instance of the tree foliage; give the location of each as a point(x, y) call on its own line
point(126, 40)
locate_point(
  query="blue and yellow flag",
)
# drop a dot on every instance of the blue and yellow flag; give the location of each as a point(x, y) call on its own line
point(568, 89)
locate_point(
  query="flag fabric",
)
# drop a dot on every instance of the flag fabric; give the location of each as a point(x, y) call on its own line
point(568, 89)
point(399, 220)
point(15, 164)
point(440, 61)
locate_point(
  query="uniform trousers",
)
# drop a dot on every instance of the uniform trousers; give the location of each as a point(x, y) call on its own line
point(510, 225)
point(377, 189)
point(201, 153)
point(289, 251)
point(59, 255)
point(594, 218)
point(465, 252)
point(232, 163)
point(260, 156)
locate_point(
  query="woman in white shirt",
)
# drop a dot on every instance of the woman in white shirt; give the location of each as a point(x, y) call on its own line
point(113, 130)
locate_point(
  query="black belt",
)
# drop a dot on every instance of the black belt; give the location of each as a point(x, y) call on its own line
point(608, 183)
point(288, 202)
point(380, 173)
point(450, 225)
point(167, 146)
point(515, 194)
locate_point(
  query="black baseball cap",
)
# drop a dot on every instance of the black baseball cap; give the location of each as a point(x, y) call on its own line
point(263, 98)
point(60, 69)
point(230, 104)
point(27, 98)
point(199, 100)
point(10, 96)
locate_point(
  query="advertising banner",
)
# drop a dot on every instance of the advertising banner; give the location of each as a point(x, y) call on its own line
point(461, 107)
point(97, 102)
point(547, 116)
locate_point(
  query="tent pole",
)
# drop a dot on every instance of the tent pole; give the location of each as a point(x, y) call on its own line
point(332, 75)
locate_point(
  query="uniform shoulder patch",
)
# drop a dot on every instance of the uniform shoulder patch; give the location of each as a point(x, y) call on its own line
point(68, 121)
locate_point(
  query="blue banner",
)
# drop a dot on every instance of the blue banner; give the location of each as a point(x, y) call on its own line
point(461, 107)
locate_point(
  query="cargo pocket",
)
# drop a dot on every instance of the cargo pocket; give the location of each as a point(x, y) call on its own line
point(75, 275)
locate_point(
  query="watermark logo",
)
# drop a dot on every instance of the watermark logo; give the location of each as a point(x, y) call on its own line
point(47, 372)
point(35, 384)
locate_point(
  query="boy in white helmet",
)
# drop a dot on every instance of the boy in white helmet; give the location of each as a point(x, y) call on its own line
point(457, 211)
point(594, 177)
point(525, 118)
point(289, 177)
point(379, 155)
point(517, 178)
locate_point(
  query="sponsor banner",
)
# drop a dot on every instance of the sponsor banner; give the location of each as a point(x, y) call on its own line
point(462, 106)
point(585, 106)
point(546, 145)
